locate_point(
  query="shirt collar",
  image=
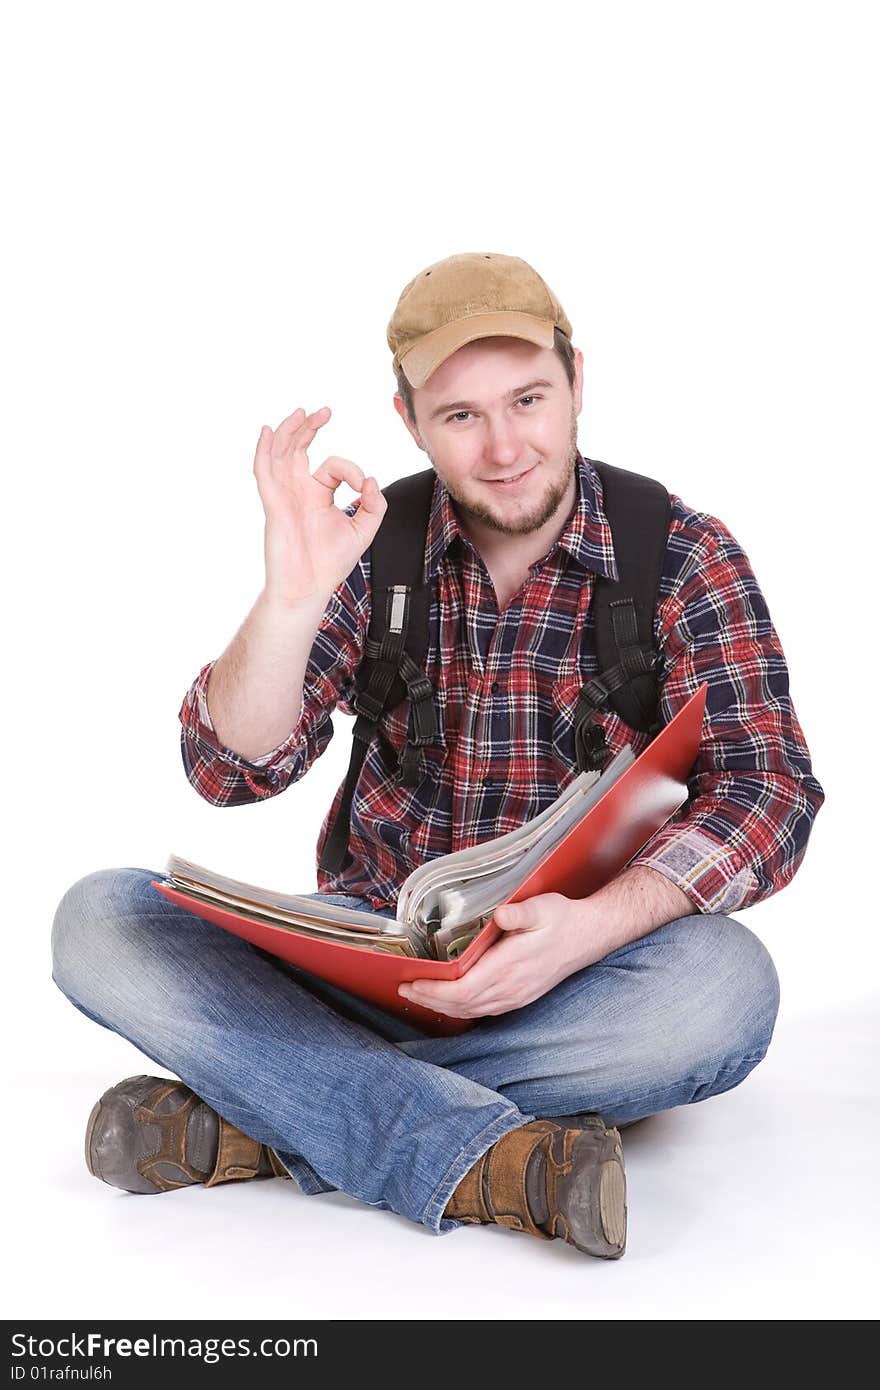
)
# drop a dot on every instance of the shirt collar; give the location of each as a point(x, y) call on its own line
point(586, 538)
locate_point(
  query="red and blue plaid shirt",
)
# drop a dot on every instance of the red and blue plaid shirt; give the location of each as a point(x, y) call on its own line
point(506, 686)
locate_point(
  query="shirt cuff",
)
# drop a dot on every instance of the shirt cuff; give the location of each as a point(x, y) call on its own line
point(202, 728)
point(714, 878)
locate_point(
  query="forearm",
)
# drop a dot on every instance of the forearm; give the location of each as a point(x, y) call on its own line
point(255, 689)
point(632, 905)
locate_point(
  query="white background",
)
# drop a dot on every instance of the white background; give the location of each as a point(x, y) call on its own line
point(211, 210)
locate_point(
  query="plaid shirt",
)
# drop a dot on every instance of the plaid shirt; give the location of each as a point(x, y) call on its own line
point(506, 689)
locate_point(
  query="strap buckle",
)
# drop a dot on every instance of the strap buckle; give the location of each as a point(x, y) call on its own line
point(408, 764)
point(368, 705)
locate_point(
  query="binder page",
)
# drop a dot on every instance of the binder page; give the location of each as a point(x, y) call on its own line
point(184, 872)
point(482, 858)
point(464, 902)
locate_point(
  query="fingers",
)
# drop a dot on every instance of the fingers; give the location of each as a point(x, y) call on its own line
point(373, 504)
point(288, 444)
point(283, 451)
point(300, 429)
point(335, 470)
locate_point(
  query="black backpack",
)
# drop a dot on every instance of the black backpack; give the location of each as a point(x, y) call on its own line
point(638, 512)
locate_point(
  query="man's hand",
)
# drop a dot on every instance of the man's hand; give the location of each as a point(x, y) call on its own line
point(310, 545)
point(549, 937)
point(541, 944)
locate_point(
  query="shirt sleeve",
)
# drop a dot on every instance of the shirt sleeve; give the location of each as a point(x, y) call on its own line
point(223, 777)
point(752, 797)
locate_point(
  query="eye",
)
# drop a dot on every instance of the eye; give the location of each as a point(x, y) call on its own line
point(459, 414)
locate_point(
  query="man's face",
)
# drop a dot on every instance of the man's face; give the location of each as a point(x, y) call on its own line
point(478, 426)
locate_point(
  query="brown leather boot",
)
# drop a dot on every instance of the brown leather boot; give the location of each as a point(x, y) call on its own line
point(152, 1134)
point(561, 1177)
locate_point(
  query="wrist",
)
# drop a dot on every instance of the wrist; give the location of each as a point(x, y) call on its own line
point(632, 905)
point(293, 607)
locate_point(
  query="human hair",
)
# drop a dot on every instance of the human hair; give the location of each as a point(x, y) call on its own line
point(562, 346)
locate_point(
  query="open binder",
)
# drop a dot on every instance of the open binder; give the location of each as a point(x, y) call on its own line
point(444, 919)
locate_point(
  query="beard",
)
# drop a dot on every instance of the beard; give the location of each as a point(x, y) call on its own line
point(541, 509)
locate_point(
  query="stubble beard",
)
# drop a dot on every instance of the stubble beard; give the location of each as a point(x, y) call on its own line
point(543, 509)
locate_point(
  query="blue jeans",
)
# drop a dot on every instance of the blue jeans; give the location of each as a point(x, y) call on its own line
point(354, 1098)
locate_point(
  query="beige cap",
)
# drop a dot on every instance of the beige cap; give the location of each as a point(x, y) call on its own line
point(476, 294)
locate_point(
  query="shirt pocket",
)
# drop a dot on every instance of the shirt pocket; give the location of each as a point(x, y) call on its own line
point(615, 733)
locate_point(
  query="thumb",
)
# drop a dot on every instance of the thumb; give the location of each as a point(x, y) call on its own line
point(512, 916)
point(371, 511)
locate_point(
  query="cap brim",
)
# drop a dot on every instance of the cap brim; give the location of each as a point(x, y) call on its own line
point(434, 348)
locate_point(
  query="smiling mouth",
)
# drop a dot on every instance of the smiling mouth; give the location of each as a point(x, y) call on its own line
point(507, 482)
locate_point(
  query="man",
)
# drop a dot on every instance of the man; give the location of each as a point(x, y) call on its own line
point(589, 1014)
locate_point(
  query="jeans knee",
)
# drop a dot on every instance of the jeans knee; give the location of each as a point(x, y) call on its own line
point(87, 919)
point(752, 994)
point(707, 1007)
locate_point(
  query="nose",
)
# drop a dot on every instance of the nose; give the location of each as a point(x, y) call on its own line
point(502, 443)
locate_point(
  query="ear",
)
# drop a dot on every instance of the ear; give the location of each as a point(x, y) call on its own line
point(578, 383)
point(401, 410)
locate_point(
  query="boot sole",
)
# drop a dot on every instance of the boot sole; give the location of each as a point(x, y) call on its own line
point(592, 1198)
point(612, 1204)
point(90, 1129)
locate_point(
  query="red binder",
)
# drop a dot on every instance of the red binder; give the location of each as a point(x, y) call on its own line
point(611, 833)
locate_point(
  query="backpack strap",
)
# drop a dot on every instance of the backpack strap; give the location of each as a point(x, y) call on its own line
point(392, 668)
point(638, 509)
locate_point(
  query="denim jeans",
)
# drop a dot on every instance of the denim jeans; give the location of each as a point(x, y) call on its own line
point(354, 1098)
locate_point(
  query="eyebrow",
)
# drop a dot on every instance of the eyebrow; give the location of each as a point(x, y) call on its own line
point(469, 405)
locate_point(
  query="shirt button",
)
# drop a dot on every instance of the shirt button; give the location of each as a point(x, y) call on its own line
point(488, 782)
point(495, 687)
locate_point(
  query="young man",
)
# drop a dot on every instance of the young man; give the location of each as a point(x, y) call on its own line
point(589, 1014)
